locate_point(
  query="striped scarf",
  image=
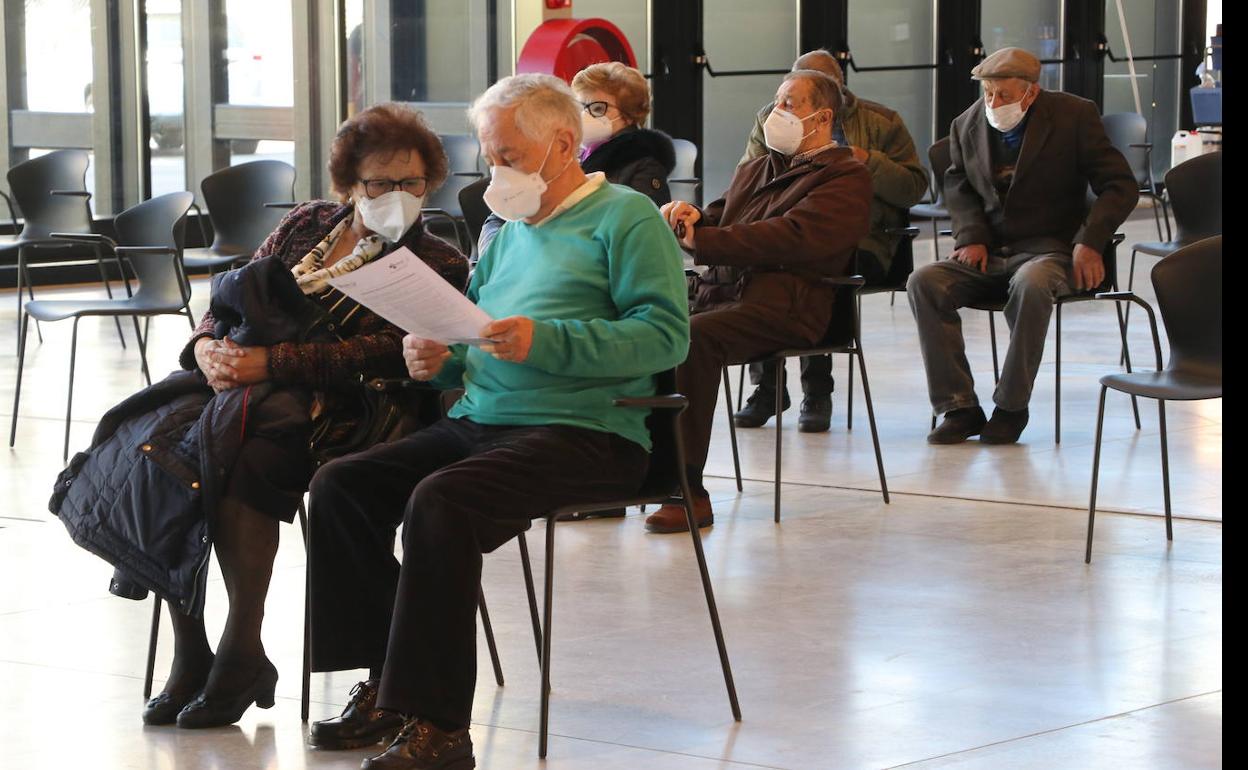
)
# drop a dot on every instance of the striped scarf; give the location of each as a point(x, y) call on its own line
point(311, 273)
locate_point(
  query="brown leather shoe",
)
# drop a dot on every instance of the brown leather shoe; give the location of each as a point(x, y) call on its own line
point(671, 517)
point(421, 746)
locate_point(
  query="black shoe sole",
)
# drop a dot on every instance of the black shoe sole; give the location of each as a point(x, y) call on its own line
point(614, 513)
point(808, 427)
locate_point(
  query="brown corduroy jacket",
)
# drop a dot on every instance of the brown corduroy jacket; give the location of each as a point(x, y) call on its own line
point(780, 222)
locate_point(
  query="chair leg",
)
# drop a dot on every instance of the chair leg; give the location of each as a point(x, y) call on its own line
point(147, 375)
point(1096, 467)
point(935, 242)
point(1126, 354)
point(151, 649)
point(779, 436)
point(30, 293)
point(1126, 320)
point(687, 496)
point(849, 398)
point(732, 429)
point(992, 338)
point(305, 695)
point(108, 289)
point(547, 608)
point(69, 401)
point(741, 386)
point(875, 435)
point(1165, 466)
point(1157, 215)
point(489, 636)
point(1057, 377)
point(23, 324)
point(527, 567)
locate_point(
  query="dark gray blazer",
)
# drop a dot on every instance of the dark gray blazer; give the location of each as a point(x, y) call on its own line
point(1065, 152)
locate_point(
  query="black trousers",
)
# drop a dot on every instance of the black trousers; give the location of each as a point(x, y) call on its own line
point(461, 490)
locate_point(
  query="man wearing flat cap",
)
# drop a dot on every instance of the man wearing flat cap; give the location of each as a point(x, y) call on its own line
point(1035, 191)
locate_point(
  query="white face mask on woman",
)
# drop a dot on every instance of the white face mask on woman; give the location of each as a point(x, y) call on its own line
point(515, 195)
point(596, 130)
point(389, 215)
point(782, 131)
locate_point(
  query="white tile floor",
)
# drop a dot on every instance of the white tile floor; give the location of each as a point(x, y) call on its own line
point(957, 626)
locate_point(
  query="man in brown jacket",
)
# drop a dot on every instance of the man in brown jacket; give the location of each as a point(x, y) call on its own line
point(788, 220)
point(879, 139)
point(1023, 160)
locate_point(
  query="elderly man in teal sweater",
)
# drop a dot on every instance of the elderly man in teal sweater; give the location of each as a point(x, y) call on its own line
point(585, 282)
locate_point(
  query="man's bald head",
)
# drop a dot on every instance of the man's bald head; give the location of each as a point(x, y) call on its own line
point(821, 60)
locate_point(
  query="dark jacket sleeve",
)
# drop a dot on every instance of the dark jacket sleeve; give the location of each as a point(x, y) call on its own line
point(1110, 177)
point(274, 244)
point(831, 218)
point(966, 207)
point(896, 173)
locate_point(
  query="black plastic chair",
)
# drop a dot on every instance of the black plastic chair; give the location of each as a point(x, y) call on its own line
point(149, 239)
point(934, 210)
point(1128, 133)
point(245, 204)
point(472, 204)
point(1195, 191)
point(463, 154)
point(666, 473)
point(844, 336)
point(1188, 284)
point(51, 193)
point(683, 182)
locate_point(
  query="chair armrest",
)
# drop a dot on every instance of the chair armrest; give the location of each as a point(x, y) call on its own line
point(947, 232)
point(71, 193)
point(469, 174)
point(281, 204)
point(1129, 296)
point(692, 180)
point(1118, 238)
point(127, 251)
point(93, 238)
point(846, 280)
point(1141, 145)
point(12, 216)
point(669, 401)
point(909, 232)
point(394, 384)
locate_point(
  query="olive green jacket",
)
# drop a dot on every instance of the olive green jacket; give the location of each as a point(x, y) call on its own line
point(897, 178)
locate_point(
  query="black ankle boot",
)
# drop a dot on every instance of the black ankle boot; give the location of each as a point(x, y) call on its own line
point(759, 408)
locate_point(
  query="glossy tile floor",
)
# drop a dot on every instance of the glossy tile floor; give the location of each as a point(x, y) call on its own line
point(957, 626)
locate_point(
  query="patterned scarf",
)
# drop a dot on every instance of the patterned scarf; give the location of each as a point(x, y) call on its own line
point(311, 273)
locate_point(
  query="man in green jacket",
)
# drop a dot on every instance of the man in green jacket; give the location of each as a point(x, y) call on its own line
point(878, 137)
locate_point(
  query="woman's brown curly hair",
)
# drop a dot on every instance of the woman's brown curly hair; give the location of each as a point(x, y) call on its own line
point(384, 128)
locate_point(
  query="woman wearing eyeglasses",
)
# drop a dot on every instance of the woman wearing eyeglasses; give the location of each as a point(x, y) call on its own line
point(383, 161)
point(614, 140)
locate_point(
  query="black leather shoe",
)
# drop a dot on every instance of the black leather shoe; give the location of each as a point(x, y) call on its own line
point(163, 708)
point(220, 710)
point(1005, 427)
point(610, 513)
point(958, 426)
point(421, 746)
point(361, 723)
point(759, 408)
point(816, 414)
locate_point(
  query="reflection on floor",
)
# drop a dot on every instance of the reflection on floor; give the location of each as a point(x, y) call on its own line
point(957, 626)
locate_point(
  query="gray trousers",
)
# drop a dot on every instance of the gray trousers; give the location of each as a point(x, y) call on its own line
point(1029, 282)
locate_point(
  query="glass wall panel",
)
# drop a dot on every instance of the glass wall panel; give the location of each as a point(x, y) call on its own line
point(1034, 26)
point(738, 37)
point(164, 72)
point(886, 33)
point(1153, 28)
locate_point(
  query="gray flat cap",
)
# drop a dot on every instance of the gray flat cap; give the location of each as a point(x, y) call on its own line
point(1008, 63)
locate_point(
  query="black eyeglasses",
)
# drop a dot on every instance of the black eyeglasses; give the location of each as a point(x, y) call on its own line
point(597, 109)
point(415, 185)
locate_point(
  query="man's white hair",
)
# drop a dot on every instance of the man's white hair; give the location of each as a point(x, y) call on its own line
point(543, 103)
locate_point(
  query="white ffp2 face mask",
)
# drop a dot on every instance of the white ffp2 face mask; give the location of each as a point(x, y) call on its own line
point(515, 195)
point(1007, 116)
point(596, 130)
point(389, 215)
point(782, 131)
